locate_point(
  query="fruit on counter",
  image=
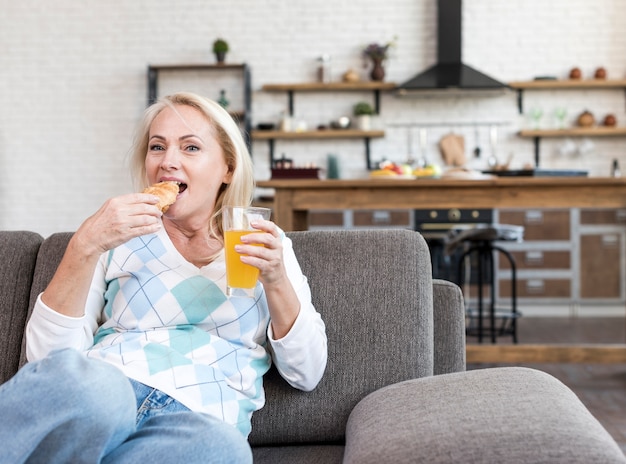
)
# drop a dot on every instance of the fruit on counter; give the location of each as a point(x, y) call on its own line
point(610, 120)
point(431, 170)
point(391, 169)
point(399, 169)
point(383, 173)
point(575, 73)
point(586, 119)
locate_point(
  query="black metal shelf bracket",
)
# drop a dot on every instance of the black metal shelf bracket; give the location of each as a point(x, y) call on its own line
point(368, 159)
point(152, 85)
point(271, 148)
point(537, 141)
point(290, 102)
point(520, 101)
point(377, 101)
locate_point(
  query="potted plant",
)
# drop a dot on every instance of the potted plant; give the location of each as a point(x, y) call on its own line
point(220, 47)
point(363, 112)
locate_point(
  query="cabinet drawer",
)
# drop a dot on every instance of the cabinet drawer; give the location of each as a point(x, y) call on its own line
point(326, 218)
point(361, 218)
point(602, 216)
point(539, 224)
point(537, 259)
point(537, 288)
point(600, 256)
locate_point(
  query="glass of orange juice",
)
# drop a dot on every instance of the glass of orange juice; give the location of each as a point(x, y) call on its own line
point(241, 278)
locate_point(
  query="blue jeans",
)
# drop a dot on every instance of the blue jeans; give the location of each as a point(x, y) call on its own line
point(68, 408)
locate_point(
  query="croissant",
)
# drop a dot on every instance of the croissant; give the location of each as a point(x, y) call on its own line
point(166, 191)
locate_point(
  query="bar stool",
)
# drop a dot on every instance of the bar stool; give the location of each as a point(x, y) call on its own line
point(479, 241)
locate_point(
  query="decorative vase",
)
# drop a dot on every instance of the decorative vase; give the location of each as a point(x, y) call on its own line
point(378, 71)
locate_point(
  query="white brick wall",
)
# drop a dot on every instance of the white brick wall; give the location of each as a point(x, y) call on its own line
point(72, 82)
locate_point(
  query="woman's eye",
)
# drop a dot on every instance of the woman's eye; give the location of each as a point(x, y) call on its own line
point(192, 148)
point(156, 147)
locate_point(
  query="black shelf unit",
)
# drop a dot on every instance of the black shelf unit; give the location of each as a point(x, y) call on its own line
point(244, 117)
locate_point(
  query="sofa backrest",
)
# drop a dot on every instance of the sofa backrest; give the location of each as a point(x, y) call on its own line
point(18, 251)
point(373, 289)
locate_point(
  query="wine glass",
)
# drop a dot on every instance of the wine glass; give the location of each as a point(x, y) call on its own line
point(559, 114)
point(535, 115)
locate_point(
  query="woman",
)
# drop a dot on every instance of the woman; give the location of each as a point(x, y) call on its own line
point(145, 292)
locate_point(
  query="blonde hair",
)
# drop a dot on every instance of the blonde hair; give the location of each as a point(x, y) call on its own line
point(240, 191)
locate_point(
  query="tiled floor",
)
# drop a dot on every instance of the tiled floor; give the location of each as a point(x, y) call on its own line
point(601, 387)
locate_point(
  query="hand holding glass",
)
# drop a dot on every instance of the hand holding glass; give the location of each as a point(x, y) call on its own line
point(236, 223)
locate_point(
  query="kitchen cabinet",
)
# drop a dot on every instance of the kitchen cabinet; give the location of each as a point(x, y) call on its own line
point(290, 89)
point(543, 260)
point(243, 116)
point(580, 84)
point(573, 256)
point(602, 239)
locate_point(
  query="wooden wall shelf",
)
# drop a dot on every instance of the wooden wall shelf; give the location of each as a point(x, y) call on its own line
point(317, 134)
point(569, 84)
point(330, 86)
point(364, 86)
point(563, 84)
point(598, 131)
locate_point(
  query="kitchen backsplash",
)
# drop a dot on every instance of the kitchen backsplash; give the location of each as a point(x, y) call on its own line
point(74, 84)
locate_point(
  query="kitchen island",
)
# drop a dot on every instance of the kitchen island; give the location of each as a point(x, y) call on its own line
point(294, 198)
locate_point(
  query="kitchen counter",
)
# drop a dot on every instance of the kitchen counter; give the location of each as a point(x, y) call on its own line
point(293, 198)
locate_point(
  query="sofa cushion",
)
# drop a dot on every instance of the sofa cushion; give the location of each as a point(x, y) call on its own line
point(48, 259)
point(510, 414)
point(304, 454)
point(373, 289)
point(18, 251)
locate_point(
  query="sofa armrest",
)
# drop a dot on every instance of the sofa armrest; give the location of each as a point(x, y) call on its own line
point(449, 327)
point(509, 414)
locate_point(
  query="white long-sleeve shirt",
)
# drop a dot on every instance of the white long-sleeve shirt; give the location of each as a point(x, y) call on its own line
point(169, 324)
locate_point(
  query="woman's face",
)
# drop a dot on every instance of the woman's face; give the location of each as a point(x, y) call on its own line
point(182, 147)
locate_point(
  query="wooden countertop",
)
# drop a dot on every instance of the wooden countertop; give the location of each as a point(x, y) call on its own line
point(429, 182)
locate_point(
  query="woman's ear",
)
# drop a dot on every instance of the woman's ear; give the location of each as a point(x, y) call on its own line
point(228, 177)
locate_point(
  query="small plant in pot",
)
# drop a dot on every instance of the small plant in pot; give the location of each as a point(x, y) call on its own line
point(363, 112)
point(220, 47)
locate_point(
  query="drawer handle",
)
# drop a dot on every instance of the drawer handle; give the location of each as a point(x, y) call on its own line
point(534, 257)
point(381, 217)
point(610, 240)
point(534, 217)
point(535, 286)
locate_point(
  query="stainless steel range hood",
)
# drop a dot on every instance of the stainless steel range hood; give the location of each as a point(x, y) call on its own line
point(450, 73)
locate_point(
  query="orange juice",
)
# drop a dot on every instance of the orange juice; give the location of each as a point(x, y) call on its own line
point(238, 274)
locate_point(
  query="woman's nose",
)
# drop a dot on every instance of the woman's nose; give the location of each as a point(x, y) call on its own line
point(170, 160)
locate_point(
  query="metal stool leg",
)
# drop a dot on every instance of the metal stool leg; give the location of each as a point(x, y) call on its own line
point(514, 313)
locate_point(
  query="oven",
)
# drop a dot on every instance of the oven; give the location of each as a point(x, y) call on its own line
point(436, 224)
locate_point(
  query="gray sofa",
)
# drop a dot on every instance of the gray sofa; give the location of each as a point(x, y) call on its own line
point(395, 389)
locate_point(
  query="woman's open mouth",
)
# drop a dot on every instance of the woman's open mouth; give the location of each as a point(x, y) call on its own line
point(181, 187)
